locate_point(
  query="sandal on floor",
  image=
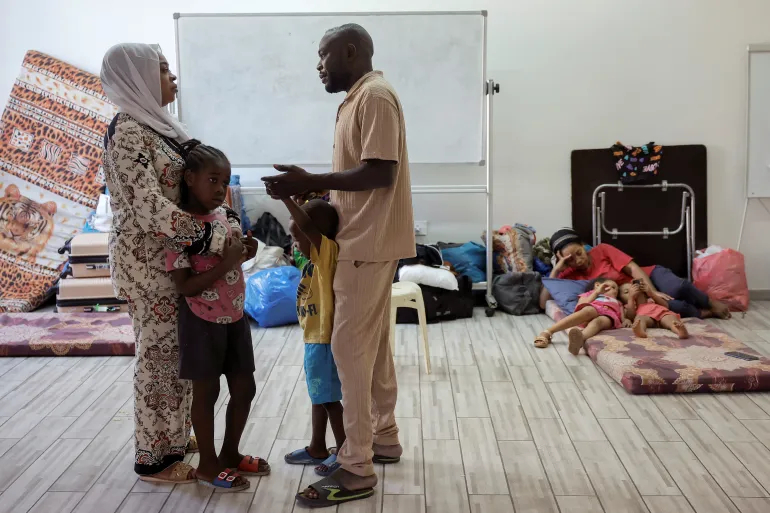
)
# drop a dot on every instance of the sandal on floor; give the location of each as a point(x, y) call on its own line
point(331, 465)
point(224, 481)
point(543, 340)
point(331, 493)
point(249, 466)
point(386, 460)
point(302, 457)
point(180, 472)
point(192, 444)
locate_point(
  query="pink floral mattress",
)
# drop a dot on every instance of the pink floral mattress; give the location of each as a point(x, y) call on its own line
point(663, 363)
point(66, 334)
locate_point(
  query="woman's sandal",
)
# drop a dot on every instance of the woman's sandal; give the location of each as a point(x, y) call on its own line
point(250, 466)
point(331, 493)
point(180, 474)
point(225, 481)
point(192, 444)
point(543, 340)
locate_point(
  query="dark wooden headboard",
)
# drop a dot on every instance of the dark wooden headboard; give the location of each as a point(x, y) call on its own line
point(643, 209)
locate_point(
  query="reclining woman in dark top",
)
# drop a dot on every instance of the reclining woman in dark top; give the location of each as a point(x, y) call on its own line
point(575, 263)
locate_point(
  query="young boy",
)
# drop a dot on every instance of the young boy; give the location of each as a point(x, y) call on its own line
point(314, 227)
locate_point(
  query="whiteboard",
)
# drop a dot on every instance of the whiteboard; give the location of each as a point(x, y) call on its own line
point(758, 148)
point(248, 84)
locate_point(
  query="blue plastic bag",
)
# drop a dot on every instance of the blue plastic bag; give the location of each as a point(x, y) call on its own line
point(469, 259)
point(271, 296)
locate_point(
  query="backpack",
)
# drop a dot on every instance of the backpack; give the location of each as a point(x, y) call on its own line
point(518, 293)
point(269, 230)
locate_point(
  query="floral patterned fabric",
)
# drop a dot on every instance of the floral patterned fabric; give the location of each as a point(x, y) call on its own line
point(66, 334)
point(663, 363)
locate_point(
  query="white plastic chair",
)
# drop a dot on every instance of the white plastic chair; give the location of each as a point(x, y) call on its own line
point(408, 295)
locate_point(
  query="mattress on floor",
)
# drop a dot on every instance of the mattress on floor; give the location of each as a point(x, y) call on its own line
point(663, 363)
point(553, 311)
point(66, 334)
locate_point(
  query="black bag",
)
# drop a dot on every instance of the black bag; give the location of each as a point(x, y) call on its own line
point(442, 304)
point(269, 230)
point(518, 293)
point(426, 255)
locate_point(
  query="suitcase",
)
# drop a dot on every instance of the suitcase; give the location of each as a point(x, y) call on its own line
point(88, 295)
point(89, 255)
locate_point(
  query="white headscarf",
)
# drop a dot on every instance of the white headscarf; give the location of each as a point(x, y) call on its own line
point(131, 80)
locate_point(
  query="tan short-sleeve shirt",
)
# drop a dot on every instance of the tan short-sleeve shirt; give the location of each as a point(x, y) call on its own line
point(375, 225)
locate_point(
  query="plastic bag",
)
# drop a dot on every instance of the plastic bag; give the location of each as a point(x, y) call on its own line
point(722, 276)
point(271, 296)
point(267, 257)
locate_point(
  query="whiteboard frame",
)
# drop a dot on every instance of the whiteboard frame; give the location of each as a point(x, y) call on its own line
point(753, 48)
point(484, 81)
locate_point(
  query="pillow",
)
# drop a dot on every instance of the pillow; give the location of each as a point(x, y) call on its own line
point(430, 276)
point(469, 259)
point(565, 292)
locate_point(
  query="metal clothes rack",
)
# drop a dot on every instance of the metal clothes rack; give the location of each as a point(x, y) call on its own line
point(686, 219)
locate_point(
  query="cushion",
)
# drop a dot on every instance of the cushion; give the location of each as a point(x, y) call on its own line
point(662, 363)
point(565, 292)
point(430, 276)
point(469, 259)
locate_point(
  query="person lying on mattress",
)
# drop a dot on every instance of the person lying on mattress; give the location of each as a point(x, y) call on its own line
point(575, 263)
point(649, 310)
point(598, 309)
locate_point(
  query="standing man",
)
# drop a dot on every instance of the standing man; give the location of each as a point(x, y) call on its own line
point(371, 191)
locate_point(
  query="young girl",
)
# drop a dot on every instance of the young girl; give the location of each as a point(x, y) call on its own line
point(649, 310)
point(313, 227)
point(598, 309)
point(214, 335)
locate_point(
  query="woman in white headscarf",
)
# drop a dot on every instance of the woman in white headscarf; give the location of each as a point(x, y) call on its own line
point(143, 165)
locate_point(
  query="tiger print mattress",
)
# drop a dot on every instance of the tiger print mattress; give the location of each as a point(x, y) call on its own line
point(663, 363)
point(50, 173)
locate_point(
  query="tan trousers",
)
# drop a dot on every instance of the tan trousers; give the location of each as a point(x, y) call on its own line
point(361, 348)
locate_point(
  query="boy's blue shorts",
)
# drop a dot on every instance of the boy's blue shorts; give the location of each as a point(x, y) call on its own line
point(323, 383)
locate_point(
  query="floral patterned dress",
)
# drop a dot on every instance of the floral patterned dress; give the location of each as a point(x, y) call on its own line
point(143, 172)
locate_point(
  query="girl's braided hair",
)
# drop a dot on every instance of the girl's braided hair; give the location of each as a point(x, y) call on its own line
point(197, 156)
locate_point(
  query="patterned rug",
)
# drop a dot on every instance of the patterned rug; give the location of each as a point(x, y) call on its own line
point(50, 173)
point(51, 334)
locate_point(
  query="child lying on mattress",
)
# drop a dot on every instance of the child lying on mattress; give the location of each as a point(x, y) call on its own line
point(649, 310)
point(598, 309)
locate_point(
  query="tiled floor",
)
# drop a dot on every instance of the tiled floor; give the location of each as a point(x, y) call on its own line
point(498, 427)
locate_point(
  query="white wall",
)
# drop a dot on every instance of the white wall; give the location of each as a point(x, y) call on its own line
point(575, 74)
